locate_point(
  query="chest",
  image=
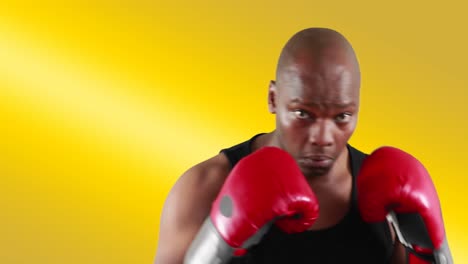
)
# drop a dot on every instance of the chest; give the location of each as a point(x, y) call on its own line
point(335, 201)
point(350, 241)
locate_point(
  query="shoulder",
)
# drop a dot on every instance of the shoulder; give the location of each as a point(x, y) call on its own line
point(199, 185)
point(187, 206)
point(208, 175)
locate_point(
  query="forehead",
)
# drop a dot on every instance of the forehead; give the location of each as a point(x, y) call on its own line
point(319, 85)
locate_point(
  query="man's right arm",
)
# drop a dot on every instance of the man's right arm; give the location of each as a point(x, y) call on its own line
point(187, 206)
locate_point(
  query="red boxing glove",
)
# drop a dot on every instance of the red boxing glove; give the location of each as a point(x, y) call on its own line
point(265, 187)
point(394, 185)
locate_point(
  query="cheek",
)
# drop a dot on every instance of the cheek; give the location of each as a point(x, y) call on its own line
point(347, 132)
point(284, 119)
point(290, 128)
point(295, 132)
point(352, 126)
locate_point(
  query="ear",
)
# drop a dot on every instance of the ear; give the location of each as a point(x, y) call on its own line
point(272, 97)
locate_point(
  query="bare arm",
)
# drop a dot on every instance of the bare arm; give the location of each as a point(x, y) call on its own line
point(187, 206)
point(399, 254)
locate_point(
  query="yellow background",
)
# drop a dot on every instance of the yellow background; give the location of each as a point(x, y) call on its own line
point(104, 105)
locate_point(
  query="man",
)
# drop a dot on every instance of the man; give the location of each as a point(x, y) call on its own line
point(316, 101)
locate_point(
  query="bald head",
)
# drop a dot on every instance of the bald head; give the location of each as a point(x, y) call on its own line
point(319, 50)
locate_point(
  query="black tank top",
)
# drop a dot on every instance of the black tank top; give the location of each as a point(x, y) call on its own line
point(349, 241)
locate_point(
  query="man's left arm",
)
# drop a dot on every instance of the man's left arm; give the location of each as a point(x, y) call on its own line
point(399, 254)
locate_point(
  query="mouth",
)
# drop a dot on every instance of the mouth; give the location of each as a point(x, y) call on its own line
point(315, 161)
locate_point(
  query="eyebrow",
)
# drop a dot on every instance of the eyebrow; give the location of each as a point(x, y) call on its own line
point(328, 104)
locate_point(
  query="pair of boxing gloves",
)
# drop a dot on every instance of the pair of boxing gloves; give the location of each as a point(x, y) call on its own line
point(267, 187)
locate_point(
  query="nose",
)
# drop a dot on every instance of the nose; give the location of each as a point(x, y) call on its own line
point(321, 133)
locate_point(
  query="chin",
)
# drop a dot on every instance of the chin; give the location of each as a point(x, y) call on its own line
point(315, 171)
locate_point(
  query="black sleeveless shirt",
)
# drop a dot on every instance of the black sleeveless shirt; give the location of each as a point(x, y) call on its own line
point(350, 241)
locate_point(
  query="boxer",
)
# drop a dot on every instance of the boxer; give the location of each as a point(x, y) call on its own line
point(315, 100)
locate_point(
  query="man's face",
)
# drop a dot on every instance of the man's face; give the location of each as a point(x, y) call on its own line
point(316, 114)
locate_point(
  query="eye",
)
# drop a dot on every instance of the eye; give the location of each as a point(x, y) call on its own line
point(301, 114)
point(343, 118)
